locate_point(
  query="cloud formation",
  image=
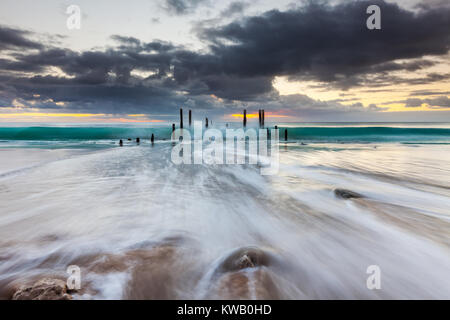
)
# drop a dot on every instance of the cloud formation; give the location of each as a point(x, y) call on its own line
point(182, 7)
point(329, 44)
point(435, 103)
point(234, 8)
point(11, 38)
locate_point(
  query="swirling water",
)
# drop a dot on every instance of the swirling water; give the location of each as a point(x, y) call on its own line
point(140, 226)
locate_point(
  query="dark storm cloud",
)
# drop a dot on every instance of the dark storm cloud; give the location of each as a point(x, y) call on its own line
point(387, 79)
point(131, 44)
point(238, 88)
point(94, 80)
point(12, 39)
point(437, 102)
point(93, 67)
point(329, 44)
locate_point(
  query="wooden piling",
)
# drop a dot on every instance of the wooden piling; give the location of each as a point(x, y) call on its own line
point(190, 117)
point(206, 122)
point(138, 140)
point(262, 118)
point(181, 118)
point(245, 118)
point(259, 117)
point(173, 127)
point(121, 143)
point(152, 139)
point(285, 135)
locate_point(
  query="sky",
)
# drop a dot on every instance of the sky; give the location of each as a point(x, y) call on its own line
point(140, 61)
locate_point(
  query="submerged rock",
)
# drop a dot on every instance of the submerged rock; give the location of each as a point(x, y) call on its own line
point(244, 274)
point(45, 289)
point(347, 194)
point(242, 258)
point(253, 284)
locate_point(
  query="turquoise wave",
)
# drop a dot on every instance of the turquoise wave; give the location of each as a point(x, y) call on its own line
point(79, 133)
point(367, 134)
point(319, 134)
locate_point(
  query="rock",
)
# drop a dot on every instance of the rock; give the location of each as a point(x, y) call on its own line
point(254, 284)
point(347, 194)
point(45, 289)
point(245, 273)
point(242, 258)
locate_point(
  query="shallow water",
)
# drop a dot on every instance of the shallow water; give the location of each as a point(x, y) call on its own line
point(141, 227)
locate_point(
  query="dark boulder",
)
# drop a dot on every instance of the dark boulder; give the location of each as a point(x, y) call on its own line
point(242, 258)
point(347, 194)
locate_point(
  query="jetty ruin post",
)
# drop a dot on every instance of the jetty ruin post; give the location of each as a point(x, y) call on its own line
point(259, 117)
point(181, 118)
point(285, 135)
point(262, 118)
point(190, 117)
point(206, 122)
point(245, 117)
point(152, 139)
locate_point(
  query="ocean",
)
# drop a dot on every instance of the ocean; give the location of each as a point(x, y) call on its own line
point(141, 227)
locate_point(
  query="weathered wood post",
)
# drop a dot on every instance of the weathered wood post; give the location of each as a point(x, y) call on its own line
point(181, 118)
point(173, 127)
point(245, 117)
point(152, 139)
point(121, 143)
point(138, 140)
point(206, 122)
point(262, 118)
point(259, 117)
point(285, 135)
point(190, 117)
